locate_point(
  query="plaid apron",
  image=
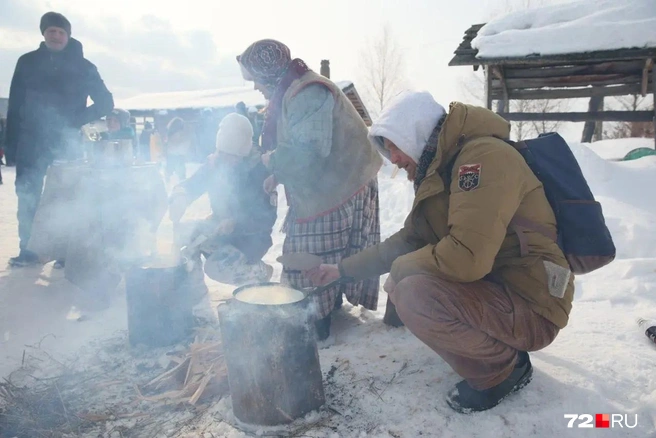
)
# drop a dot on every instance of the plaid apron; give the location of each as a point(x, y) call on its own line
point(352, 227)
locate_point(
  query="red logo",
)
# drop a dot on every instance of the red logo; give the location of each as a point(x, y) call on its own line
point(602, 420)
point(469, 176)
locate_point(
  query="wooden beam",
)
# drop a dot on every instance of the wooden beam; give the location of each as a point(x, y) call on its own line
point(570, 81)
point(587, 58)
point(568, 93)
point(649, 64)
point(603, 116)
point(626, 67)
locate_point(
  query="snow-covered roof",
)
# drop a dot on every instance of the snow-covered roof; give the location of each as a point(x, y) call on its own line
point(199, 99)
point(576, 27)
point(196, 99)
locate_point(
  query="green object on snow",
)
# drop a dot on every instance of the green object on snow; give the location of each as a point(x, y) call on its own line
point(639, 153)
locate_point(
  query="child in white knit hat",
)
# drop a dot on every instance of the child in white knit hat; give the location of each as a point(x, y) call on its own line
point(235, 237)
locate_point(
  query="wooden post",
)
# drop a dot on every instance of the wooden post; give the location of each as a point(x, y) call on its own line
point(649, 64)
point(488, 86)
point(599, 125)
point(503, 105)
point(325, 68)
point(596, 104)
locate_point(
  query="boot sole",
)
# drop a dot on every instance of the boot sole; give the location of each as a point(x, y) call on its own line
point(22, 264)
point(525, 380)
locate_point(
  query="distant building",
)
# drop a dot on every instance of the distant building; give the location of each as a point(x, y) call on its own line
point(4, 102)
point(205, 108)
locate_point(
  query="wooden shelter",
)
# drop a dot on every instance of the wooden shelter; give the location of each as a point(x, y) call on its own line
point(593, 75)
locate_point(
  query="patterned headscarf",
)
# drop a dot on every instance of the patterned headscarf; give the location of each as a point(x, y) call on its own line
point(266, 61)
point(269, 62)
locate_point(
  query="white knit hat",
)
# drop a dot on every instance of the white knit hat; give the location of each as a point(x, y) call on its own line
point(235, 135)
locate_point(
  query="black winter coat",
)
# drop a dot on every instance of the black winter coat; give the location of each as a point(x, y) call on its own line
point(48, 104)
point(238, 192)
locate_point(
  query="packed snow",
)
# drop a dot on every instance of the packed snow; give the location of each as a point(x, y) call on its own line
point(617, 149)
point(566, 28)
point(382, 381)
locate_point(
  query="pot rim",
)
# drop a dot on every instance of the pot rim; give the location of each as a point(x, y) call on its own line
point(268, 283)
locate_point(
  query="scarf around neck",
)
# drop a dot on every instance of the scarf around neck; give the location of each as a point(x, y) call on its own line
point(428, 154)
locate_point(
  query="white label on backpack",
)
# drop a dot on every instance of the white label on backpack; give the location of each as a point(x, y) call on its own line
point(557, 278)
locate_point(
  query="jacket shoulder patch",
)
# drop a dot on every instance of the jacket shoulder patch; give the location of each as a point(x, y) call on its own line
point(469, 177)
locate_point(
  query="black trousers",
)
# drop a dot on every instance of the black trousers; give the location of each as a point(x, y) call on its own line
point(29, 187)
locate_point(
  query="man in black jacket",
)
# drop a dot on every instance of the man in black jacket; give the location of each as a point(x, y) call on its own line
point(238, 233)
point(47, 108)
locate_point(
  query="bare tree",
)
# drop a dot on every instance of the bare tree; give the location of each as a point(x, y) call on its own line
point(634, 102)
point(383, 69)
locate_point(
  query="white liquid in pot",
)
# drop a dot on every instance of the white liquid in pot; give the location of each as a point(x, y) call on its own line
point(271, 295)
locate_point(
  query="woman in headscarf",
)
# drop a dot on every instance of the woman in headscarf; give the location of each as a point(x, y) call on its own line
point(318, 149)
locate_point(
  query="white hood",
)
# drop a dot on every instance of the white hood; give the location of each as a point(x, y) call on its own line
point(407, 121)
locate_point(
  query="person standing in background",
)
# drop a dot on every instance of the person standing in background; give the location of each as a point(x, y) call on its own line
point(47, 107)
point(178, 146)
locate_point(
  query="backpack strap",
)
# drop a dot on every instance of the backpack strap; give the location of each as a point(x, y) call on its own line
point(519, 224)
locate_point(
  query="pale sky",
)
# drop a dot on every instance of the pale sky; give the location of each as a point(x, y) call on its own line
point(144, 46)
point(161, 45)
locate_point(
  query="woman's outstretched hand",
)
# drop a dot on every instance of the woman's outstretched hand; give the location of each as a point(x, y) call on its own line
point(323, 274)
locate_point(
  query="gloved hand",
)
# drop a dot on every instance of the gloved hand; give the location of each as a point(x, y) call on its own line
point(177, 205)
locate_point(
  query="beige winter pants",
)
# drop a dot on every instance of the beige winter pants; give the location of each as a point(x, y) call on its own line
point(477, 328)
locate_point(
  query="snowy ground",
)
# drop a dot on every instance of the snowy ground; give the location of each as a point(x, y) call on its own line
point(382, 381)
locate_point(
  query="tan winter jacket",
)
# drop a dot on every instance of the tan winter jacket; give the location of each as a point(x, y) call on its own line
point(458, 229)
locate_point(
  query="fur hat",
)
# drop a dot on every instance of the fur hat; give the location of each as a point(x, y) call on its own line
point(235, 135)
point(55, 19)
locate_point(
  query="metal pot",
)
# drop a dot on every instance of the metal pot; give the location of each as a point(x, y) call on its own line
point(272, 359)
point(112, 153)
point(160, 309)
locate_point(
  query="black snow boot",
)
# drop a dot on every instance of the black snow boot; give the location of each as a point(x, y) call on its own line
point(24, 258)
point(339, 300)
point(465, 399)
point(322, 327)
